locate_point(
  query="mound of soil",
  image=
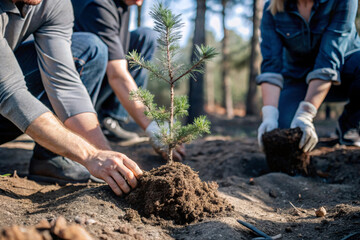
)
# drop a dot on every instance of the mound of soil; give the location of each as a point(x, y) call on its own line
point(175, 192)
point(283, 154)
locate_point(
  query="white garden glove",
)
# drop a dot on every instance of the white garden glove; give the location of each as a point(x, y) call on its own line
point(303, 119)
point(151, 131)
point(270, 116)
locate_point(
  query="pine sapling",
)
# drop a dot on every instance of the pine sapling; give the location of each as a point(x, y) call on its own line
point(167, 68)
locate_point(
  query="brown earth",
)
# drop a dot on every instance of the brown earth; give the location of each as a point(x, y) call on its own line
point(175, 192)
point(56, 229)
point(285, 156)
point(273, 202)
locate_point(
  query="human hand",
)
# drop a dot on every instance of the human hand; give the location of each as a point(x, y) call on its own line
point(152, 131)
point(119, 171)
point(303, 119)
point(270, 116)
point(178, 153)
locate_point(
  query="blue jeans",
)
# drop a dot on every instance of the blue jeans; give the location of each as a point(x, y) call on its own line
point(143, 40)
point(90, 57)
point(294, 92)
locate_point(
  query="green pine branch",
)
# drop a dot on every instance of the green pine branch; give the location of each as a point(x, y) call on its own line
point(138, 62)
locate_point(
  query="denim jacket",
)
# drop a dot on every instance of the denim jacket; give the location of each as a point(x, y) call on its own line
point(295, 49)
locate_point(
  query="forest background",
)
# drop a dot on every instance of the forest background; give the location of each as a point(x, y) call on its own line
point(228, 86)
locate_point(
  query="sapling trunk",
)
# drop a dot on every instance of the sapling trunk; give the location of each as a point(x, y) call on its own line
point(171, 148)
point(171, 77)
point(171, 71)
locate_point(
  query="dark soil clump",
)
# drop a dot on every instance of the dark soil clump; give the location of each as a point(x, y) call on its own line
point(175, 192)
point(283, 153)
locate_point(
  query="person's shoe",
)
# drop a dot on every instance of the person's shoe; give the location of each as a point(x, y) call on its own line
point(112, 130)
point(59, 170)
point(349, 138)
point(349, 134)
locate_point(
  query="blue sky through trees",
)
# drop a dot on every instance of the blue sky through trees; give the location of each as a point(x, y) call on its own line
point(235, 18)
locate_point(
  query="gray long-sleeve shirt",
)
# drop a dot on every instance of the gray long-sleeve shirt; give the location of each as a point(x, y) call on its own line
point(51, 24)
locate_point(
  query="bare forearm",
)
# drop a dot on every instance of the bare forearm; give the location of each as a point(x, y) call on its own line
point(122, 84)
point(110, 166)
point(270, 94)
point(49, 132)
point(317, 91)
point(134, 108)
point(87, 126)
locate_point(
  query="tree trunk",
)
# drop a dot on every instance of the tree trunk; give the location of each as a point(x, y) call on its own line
point(225, 68)
point(357, 19)
point(139, 15)
point(196, 89)
point(210, 93)
point(251, 104)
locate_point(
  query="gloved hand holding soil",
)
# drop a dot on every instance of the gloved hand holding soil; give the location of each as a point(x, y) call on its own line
point(282, 151)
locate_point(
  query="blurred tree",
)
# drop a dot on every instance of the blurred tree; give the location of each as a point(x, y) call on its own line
point(254, 61)
point(227, 98)
point(251, 101)
point(139, 15)
point(226, 84)
point(210, 76)
point(239, 55)
point(196, 88)
point(238, 59)
point(357, 20)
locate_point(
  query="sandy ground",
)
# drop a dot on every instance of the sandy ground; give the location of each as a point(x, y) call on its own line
point(273, 202)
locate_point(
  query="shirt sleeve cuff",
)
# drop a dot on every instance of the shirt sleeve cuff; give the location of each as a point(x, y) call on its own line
point(118, 55)
point(326, 74)
point(81, 106)
point(22, 108)
point(273, 78)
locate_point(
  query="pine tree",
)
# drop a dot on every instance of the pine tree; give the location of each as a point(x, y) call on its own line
point(167, 68)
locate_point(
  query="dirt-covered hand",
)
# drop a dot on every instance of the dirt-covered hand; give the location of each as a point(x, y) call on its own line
point(270, 116)
point(179, 153)
point(116, 169)
point(303, 119)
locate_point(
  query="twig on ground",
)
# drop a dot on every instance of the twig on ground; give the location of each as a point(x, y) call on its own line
point(297, 209)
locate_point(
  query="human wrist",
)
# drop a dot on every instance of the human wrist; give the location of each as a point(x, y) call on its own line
point(152, 129)
point(88, 153)
point(306, 109)
point(270, 112)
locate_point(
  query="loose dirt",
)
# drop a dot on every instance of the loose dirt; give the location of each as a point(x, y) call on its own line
point(274, 202)
point(56, 229)
point(175, 192)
